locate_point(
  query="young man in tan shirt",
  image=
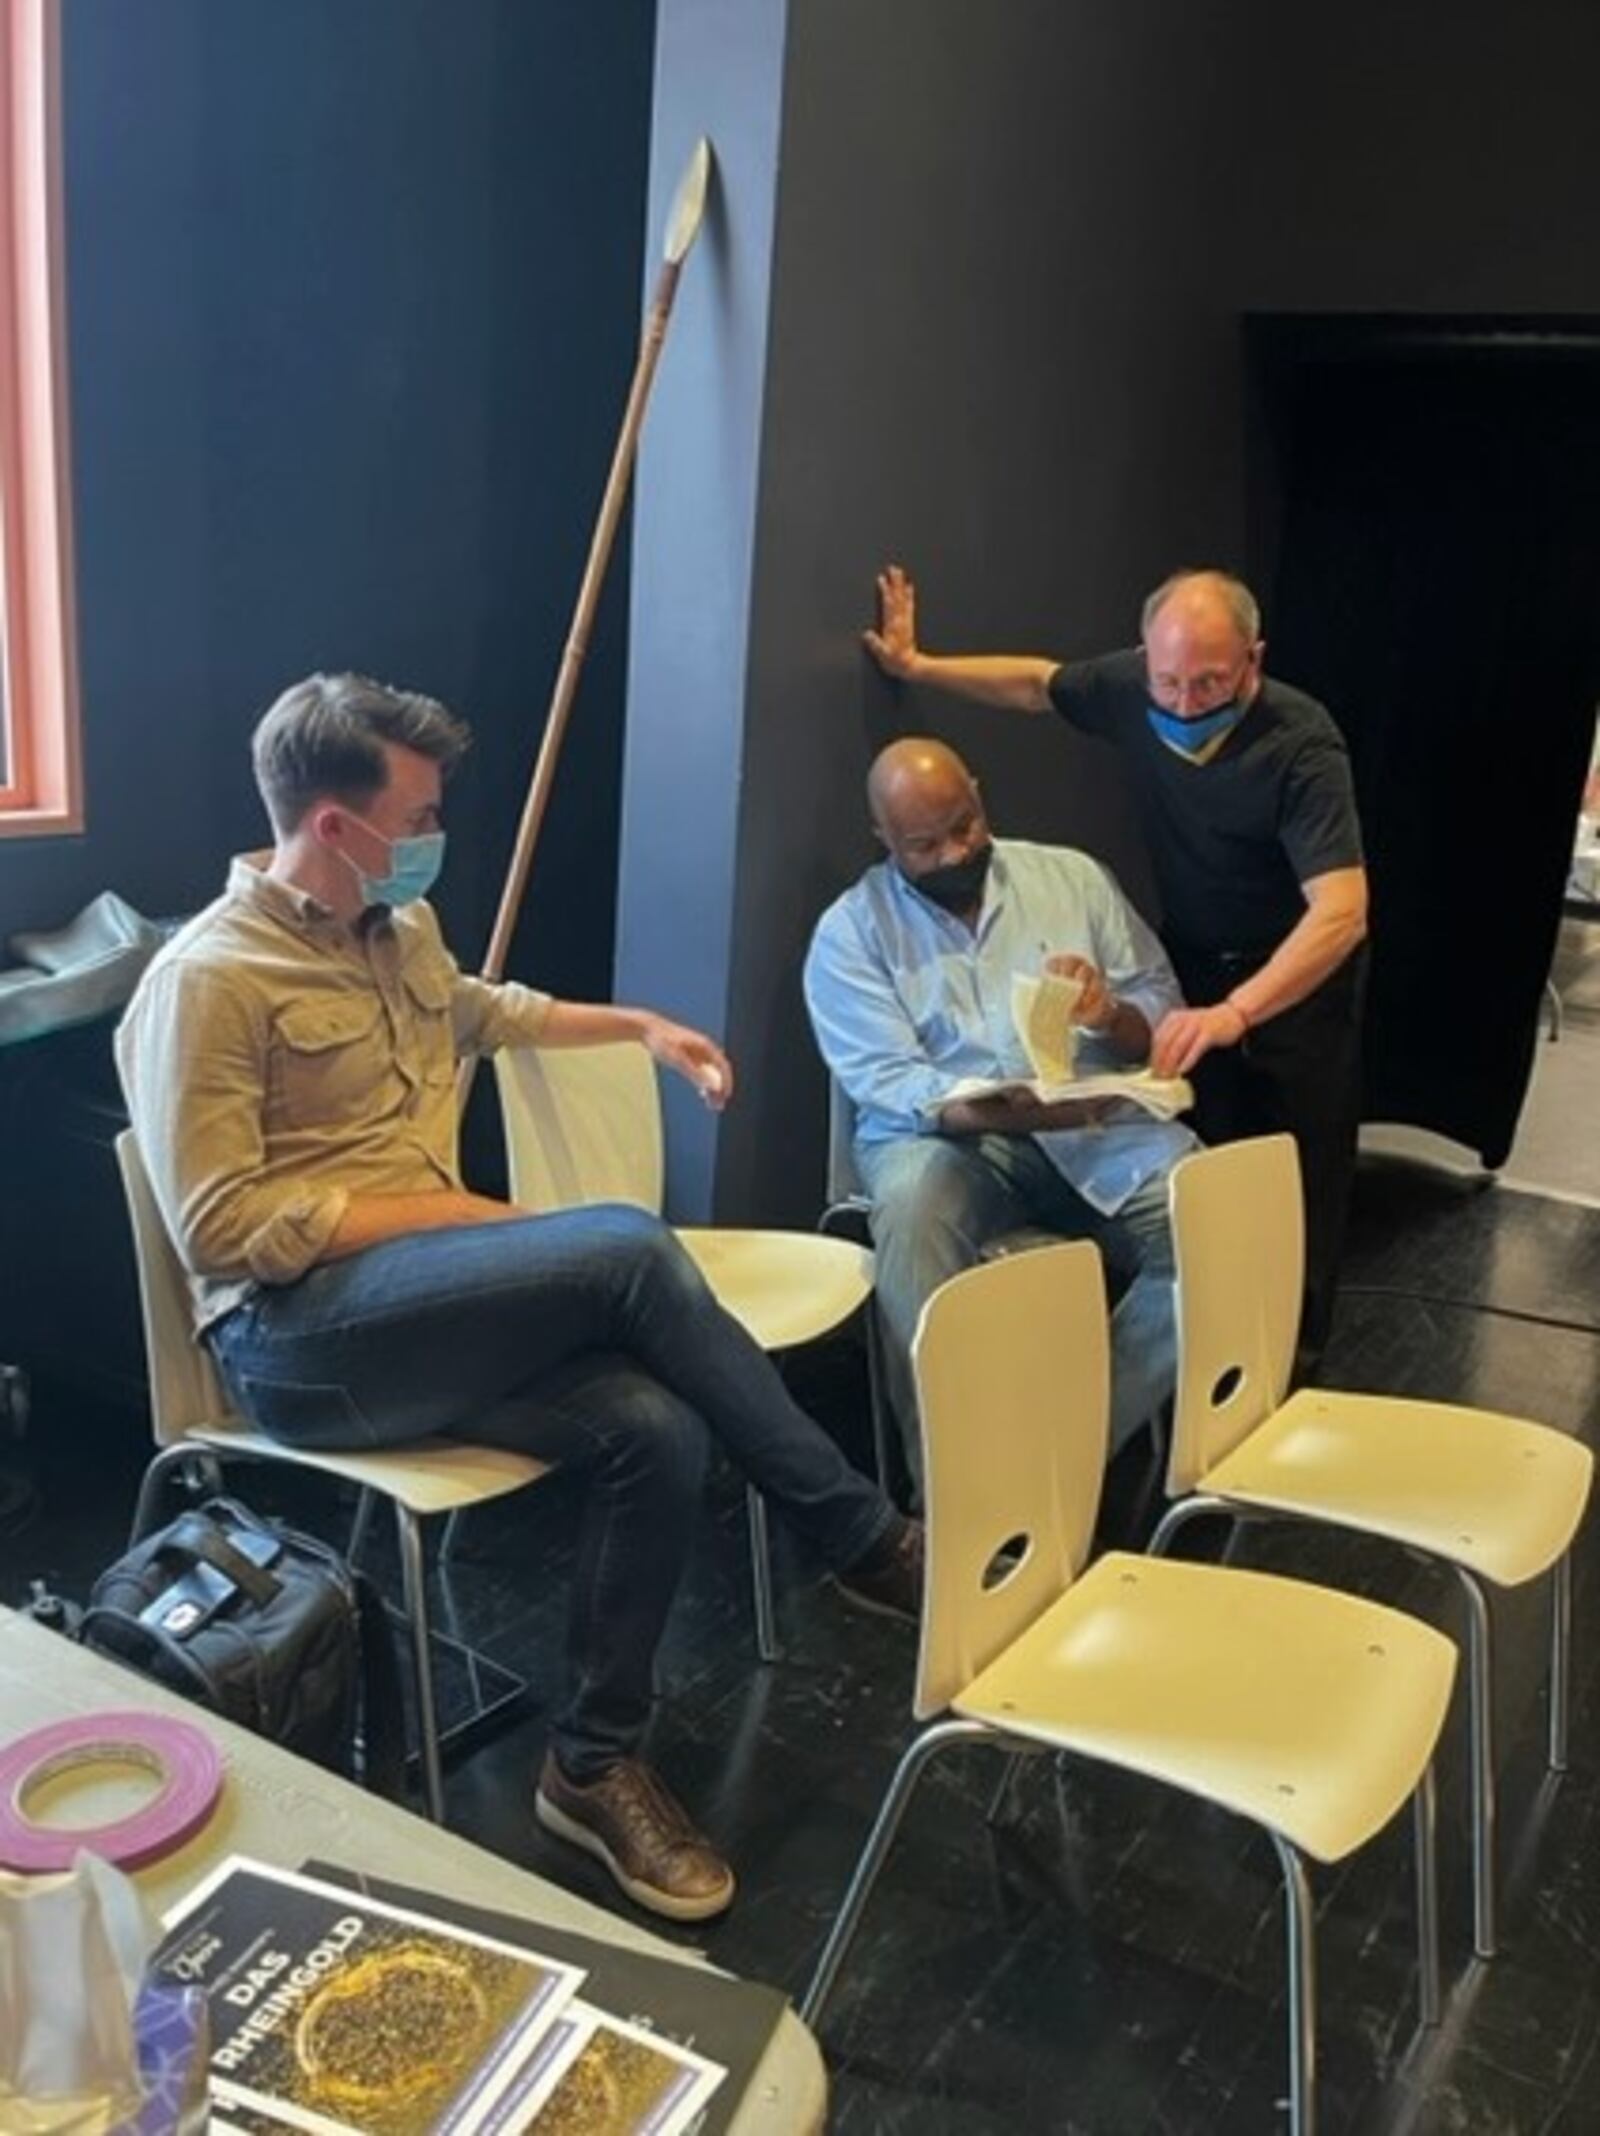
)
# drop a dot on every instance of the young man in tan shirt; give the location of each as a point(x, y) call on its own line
point(289, 1061)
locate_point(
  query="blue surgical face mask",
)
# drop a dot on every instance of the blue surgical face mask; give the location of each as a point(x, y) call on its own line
point(1192, 737)
point(414, 865)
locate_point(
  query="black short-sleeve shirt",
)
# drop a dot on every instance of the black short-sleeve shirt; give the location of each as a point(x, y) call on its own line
point(1233, 839)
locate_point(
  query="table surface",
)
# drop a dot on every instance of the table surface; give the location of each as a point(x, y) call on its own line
point(284, 1810)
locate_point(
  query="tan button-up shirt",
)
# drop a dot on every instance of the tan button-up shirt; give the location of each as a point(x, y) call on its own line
point(277, 1062)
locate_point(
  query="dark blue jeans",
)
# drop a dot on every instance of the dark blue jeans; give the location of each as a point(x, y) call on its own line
point(586, 1337)
point(937, 1200)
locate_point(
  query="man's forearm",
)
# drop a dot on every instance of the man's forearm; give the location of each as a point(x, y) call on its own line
point(1314, 948)
point(1128, 1032)
point(372, 1219)
point(592, 1023)
point(1014, 1113)
point(1016, 682)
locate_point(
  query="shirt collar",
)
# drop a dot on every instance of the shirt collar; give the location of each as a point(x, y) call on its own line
point(251, 885)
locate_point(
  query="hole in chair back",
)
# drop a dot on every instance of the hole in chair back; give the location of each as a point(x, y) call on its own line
point(1006, 1562)
point(1228, 1383)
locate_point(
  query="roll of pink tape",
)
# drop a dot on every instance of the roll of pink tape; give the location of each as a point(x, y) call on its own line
point(183, 1759)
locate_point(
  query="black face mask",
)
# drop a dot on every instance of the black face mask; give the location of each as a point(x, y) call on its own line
point(959, 884)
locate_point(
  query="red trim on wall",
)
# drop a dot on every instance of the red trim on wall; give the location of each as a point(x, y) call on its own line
point(40, 649)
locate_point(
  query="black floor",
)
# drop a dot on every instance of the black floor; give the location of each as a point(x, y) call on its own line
point(1111, 1959)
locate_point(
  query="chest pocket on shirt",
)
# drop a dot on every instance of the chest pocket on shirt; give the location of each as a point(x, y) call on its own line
point(428, 992)
point(326, 1061)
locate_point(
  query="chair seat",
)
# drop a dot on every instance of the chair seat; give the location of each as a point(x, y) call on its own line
point(426, 1476)
point(783, 1287)
point(1497, 1494)
point(1309, 1712)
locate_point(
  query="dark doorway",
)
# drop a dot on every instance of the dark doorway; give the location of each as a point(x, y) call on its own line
point(1427, 516)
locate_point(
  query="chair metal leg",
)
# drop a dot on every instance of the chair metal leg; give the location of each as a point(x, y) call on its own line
point(1003, 1787)
point(1480, 1728)
point(901, 1788)
point(414, 1573)
point(359, 1524)
point(1424, 1826)
point(761, 1575)
point(209, 1469)
point(1179, 1514)
point(198, 1460)
point(1560, 1660)
point(883, 1424)
point(1300, 1922)
point(452, 1528)
point(151, 1486)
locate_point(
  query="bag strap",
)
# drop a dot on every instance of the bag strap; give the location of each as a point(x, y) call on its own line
point(196, 1535)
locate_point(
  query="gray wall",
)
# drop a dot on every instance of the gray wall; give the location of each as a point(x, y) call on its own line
point(1011, 249)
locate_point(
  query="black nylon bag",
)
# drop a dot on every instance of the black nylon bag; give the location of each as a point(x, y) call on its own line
point(281, 1655)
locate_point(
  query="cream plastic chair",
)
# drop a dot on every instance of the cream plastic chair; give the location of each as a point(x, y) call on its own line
point(583, 1124)
point(1311, 1713)
point(849, 1207)
point(1496, 1497)
point(192, 1418)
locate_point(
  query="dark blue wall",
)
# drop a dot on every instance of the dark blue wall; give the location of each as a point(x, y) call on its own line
point(354, 291)
point(719, 72)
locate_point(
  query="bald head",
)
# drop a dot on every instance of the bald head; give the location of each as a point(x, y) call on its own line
point(1205, 596)
point(1202, 643)
point(914, 775)
point(927, 810)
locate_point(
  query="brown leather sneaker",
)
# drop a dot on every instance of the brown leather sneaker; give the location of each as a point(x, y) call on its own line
point(629, 1821)
point(888, 1580)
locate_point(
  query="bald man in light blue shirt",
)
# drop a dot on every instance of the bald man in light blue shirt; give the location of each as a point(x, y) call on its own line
point(908, 982)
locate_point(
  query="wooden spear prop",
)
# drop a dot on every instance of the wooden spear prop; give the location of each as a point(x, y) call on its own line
point(682, 228)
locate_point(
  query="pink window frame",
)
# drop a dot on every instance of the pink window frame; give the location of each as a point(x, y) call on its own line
point(44, 789)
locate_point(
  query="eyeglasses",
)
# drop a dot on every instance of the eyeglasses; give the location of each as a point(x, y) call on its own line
point(1204, 692)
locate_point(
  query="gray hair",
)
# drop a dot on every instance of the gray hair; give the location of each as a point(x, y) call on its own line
point(1234, 594)
point(326, 735)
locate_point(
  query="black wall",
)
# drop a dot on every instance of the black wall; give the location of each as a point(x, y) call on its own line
point(354, 300)
point(353, 292)
point(1011, 250)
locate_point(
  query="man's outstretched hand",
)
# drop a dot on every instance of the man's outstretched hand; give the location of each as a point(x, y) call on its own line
point(698, 1059)
point(894, 643)
point(1186, 1036)
point(1096, 1008)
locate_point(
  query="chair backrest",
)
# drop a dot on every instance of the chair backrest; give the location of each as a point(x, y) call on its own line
point(1238, 1228)
point(1013, 1384)
point(185, 1390)
point(582, 1124)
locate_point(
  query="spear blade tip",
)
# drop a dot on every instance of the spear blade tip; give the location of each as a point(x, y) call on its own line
point(688, 205)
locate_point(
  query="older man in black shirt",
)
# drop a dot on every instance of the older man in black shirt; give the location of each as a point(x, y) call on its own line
point(1243, 788)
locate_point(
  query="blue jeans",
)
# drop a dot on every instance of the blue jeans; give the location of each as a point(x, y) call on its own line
point(938, 1200)
point(589, 1338)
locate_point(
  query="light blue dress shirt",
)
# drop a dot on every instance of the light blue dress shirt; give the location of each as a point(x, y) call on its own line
point(906, 1000)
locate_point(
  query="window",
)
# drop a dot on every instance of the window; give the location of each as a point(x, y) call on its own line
point(39, 781)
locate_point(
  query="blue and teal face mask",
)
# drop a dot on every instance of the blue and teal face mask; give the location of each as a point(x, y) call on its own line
point(1193, 738)
point(414, 865)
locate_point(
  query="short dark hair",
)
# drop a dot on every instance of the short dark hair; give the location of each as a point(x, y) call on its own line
point(326, 735)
